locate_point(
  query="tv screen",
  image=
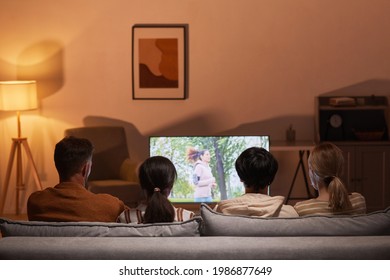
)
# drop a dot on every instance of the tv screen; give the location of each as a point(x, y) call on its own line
point(205, 164)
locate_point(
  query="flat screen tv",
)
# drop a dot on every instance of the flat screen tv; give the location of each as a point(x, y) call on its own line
point(223, 152)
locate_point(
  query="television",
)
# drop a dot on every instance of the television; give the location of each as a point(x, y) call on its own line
point(223, 152)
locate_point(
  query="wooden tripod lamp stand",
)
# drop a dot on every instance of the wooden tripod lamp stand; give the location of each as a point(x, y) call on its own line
point(18, 96)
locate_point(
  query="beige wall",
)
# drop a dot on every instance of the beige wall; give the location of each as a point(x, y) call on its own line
point(255, 67)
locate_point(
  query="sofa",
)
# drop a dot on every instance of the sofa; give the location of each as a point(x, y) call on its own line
point(210, 235)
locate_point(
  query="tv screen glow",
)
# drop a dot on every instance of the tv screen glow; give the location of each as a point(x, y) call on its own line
point(223, 151)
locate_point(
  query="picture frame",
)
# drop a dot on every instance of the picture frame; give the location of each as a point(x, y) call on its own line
point(160, 61)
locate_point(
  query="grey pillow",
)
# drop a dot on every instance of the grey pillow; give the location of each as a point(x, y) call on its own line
point(98, 229)
point(217, 224)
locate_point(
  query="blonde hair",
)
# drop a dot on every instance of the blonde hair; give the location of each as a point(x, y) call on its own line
point(325, 165)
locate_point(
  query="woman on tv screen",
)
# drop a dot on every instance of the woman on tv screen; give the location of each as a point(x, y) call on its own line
point(203, 178)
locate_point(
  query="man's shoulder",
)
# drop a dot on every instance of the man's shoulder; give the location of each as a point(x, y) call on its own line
point(104, 196)
point(61, 187)
point(41, 193)
point(108, 199)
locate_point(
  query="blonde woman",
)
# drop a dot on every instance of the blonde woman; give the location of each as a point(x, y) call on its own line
point(325, 166)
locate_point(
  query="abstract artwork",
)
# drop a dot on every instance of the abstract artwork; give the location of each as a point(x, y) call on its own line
point(160, 61)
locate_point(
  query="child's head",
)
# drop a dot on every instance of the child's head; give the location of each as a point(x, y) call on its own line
point(256, 168)
point(157, 172)
point(157, 175)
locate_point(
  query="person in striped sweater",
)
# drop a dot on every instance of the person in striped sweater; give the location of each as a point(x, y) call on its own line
point(325, 163)
point(157, 175)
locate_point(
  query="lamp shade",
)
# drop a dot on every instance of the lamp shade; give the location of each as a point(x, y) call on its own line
point(18, 95)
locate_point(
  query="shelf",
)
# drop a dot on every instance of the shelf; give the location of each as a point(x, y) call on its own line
point(345, 123)
point(359, 101)
point(347, 108)
point(276, 146)
point(362, 143)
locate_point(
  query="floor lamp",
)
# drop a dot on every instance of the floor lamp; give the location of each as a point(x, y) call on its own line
point(18, 96)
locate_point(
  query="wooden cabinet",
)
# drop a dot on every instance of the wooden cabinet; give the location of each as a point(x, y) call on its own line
point(367, 171)
point(359, 125)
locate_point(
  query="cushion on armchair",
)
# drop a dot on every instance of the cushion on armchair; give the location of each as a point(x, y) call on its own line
point(218, 224)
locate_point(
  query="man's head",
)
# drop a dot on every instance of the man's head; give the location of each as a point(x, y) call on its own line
point(256, 168)
point(73, 156)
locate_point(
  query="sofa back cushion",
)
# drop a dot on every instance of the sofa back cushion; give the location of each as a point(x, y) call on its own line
point(98, 229)
point(376, 223)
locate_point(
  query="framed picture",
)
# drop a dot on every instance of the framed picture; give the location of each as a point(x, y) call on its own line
point(160, 61)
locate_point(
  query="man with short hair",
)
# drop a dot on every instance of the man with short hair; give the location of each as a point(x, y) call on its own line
point(70, 200)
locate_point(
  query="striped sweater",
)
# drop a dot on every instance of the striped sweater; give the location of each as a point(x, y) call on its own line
point(320, 207)
point(136, 215)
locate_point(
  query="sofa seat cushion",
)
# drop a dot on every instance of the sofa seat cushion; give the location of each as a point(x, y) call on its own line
point(98, 229)
point(217, 224)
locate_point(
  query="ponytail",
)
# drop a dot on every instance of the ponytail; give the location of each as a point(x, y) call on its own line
point(192, 154)
point(159, 209)
point(338, 194)
point(326, 163)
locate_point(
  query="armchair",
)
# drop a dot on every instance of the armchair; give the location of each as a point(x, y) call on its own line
point(113, 171)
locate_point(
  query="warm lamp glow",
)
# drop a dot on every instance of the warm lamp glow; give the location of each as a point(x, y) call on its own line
point(18, 95)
